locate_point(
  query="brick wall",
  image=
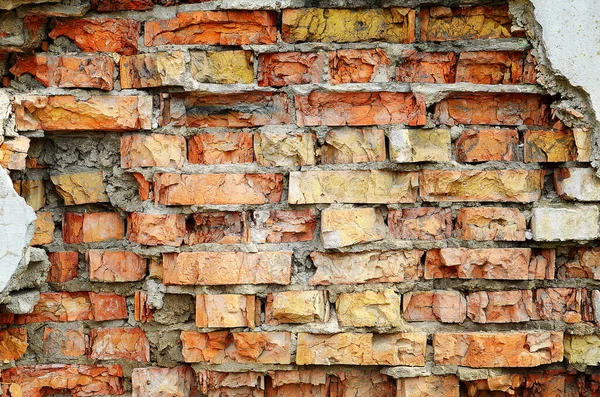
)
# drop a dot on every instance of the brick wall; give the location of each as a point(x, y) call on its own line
point(298, 202)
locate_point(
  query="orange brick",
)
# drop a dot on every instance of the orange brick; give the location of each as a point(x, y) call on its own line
point(227, 311)
point(217, 227)
point(313, 382)
point(144, 186)
point(490, 67)
point(221, 148)
point(61, 343)
point(288, 68)
point(542, 265)
point(549, 146)
point(249, 384)
point(359, 108)
point(152, 70)
point(142, 311)
point(426, 67)
point(93, 227)
point(59, 307)
point(490, 223)
point(13, 154)
point(108, 306)
point(227, 268)
point(13, 344)
point(443, 23)
point(488, 145)
point(63, 266)
point(236, 347)
point(358, 66)
point(226, 28)
point(149, 229)
point(420, 223)
point(121, 5)
point(353, 145)
point(115, 266)
point(296, 307)
point(581, 263)
point(202, 189)
point(152, 382)
point(428, 386)
point(155, 150)
point(100, 35)
point(570, 305)
point(119, 344)
point(44, 229)
point(283, 226)
point(442, 306)
point(351, 382)
point(500, 306)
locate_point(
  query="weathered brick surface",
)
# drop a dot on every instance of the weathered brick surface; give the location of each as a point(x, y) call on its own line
point(61, 344)
point(358, 66)
point(549, 146)
point(63, 266)
point(152, 70)
point(283, 226)
point(13, 153)
point(44, 229)
point(13, 343)
point(287, 68)
point(226, 311)
point(369, 309)
point(412, 146)
point(428, 386)
point(490, 223)
point(284, 149)
point(155, 150)
point(442, 306)
point(488, 145)
point(420, 223)
point(579, 184)
point(93, 227)
point(296, 307)
point(217, 227)
point(102, 35)
point(344, 227)
point(500, 306)
point(114, 266)
point(221, 148)
point(177, 382)
point(426, 67)
point(81, 188)
point(348, 145)
point(119, 343)
point(149, 229)
point(490, 67)
point(442, 23)
point(223, 67)
point(59, 306)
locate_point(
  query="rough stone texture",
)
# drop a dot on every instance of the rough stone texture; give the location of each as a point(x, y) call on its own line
point(579, 184)
point(344, 227)
point(349, 145)
point(152, 70)
point(223, 67)
point(81, 188)
point(581, 263)
point(284, 149)
point(153, 382)
point(369, 309)
point(490, 223)
point(412, 146)
point(560, 224)
point(296, 307)
point(582, 349)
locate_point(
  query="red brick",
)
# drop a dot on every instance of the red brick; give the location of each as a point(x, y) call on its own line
point(100, 35)
point(288, 68)
point(155, 150)
point(108, 306)
point(67, 113)
point(78, 380)
point(488, 145)
point(442, 306)
point(59, 307)
point(426, 67)
point(283, 226)
point(213, 28)
point(121, 5)
point(529, 69)
point(149, 229)
point(202, 189)
point(494, 109)
point(119, 344)
point(225, 110)
point(93, 227)
point(581, 263)
point(157, 382)
point(63, 266)
point(443, 23)
point(44, 229)
point(490, 223)
point(570, 305)
point(142, 311)
point(236, 347)
point(486, 263)
point(490, 67)
point(221, 148)
point(514, 349)
point(549, 146)
point(359, 108)
point(68, 71)
point(420, 223)
point(312, 382)
point(144, 186)
point(500, 306)
point(227, 311)
point(358, 66)
point(115, 266)
point(227, 268)
point(59, 343)
point(13, 344)
point(428, 386)
point(217, 227)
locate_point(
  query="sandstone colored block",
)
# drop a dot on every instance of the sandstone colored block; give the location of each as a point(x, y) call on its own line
point(285, 149)
point(296, 307)
point(154, 150)
point(62, 344)
point(492, 350)
point(283, 226)
point(486, 263)
point(369, 309)
point(361, 349)
point(226, 311)
point(115, 266)
point(442, 306)
point(223, 67)
point(100, 35)
point(368, 187)
point(428, 386)
point(426, 67)
point(33, 191)
point(358, 66)
point(521, 186)
point(119, 344)
point(227, 268)
point(443, 23)
point(563, 224)
point(490, 223)
point(549, 146)
point(108, 306)
point(217, 227)
point(344, 227)
point(488, 145)
point(582, 349)
point(13, 153)
point(394, 25)
point(44, 229)
point(178, 381)
point(153, 70)
point(581, 263)
point(350, 145)
point(359, 108)
point(579, 184)
point(202, 189)
point(583, 141)
point(213, 28)
point(58, 307)
point(570, 305)
point(221, 148)
point(81, 188)
point(77, 380)
point(235, 110)
point(148, 229)
point(63, 266)
point(66, 113)
point(411, 146)
point(121, 5)
point(420, 223)
point(288, 68)
point(68, 71)
point(92, 227)
point(493, 109)
point(366, 267)
point(500, 306)
point(223, 347)
point(13, 344)
point(490, 67)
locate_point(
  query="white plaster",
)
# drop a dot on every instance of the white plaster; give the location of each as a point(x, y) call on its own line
point(571, 35)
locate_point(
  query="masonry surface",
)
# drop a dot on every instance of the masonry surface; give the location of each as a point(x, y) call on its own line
point(296, 199)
